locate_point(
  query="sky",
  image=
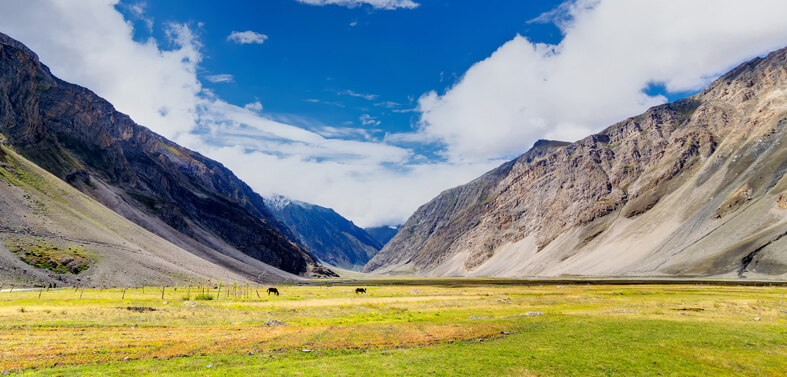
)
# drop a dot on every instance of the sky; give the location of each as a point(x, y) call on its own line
point(373, 107)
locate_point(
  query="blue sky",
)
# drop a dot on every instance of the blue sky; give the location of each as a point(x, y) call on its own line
point(373, 107)
point(330, 65)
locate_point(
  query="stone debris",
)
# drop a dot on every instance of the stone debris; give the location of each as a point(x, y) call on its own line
point(274, 322)
point(622, 311)
point(191, 304)
point(528, 314)
point(478, 317)
point(138, 309)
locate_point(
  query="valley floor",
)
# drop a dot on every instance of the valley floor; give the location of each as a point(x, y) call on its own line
point(407, 327)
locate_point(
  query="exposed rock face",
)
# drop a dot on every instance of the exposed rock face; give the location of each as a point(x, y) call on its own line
point(329, 236)
point(80, 138)
point(694, 187)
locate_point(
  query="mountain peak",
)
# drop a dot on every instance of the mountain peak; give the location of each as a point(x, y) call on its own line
point(6, 40)
point(278, 202)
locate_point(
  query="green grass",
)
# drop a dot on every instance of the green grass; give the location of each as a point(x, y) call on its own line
point(446, 328)
point(62, 258)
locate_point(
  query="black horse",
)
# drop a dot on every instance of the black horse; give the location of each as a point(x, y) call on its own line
point(273, 290)
point(360, 290)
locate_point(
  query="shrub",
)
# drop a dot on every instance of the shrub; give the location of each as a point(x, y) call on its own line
point(203, 296)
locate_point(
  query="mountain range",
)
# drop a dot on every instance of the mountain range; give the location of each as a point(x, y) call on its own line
point(691, 188)
point(176, 214)
point(330, 237)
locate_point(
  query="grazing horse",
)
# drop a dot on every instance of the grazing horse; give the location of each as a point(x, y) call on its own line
point(273, 290)
point(360, 290)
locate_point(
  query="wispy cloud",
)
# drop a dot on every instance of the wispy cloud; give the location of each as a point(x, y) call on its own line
point(138, 11)
point(314, 100)
point(378, 4)
point(368, 120)
point(388, 104)
point(403, 110)
point(368, 97)
point(247, 37)
point(220, 78)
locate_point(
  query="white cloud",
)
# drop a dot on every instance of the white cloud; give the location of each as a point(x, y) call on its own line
point(254, 106)
point(89, 43)
point(368, 194)
point(612, 50)
point(368, 120)
point(368, 97)
point(247, 37)
point(220, 78)
point(379, 4)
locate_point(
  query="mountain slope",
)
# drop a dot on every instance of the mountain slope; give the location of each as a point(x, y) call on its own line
point(329, 236)
point(80, 138)
point(50, 233)
point(691, 188)
point(382, 234)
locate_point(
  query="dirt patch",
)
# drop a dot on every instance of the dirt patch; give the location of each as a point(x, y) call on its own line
point(690, 309)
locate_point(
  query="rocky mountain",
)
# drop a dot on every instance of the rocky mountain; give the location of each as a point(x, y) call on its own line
point(329, 236)
point(691, 188)
point(179, 195)
point(382, 234)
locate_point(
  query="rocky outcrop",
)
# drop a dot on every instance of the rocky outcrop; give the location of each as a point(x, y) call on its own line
point(329, 236)
point(79, 137)
point(687, 188)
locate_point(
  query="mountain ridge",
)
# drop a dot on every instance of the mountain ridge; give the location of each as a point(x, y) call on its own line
point(609, 204)
point(80, 138)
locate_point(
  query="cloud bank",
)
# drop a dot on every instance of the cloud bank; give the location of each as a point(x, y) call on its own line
point(89, 43)
point(612, 51)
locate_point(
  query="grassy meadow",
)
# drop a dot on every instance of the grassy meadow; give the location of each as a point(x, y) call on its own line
point(433, 327)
